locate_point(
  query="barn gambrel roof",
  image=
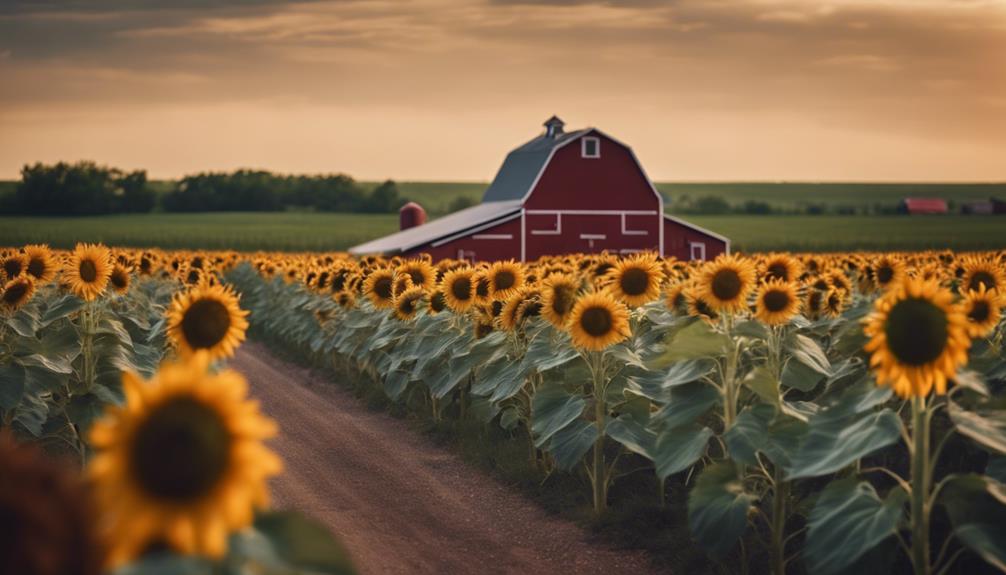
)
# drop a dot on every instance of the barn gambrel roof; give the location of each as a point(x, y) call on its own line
point(521, 167)
point(467, 220)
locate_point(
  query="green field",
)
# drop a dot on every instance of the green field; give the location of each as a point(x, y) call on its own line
point(295, 231)
point(436, 196)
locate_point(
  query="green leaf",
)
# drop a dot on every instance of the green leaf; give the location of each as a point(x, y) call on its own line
point(833, 443)
point(800, 376)
point(570, 444)
point(809, 353)
point(632, 434)
point(679, 448)
point(760, 429)
point(32, 413)
point(996, 468)
point(848, 520)
point(12, 384)
point(60, 308)
point(304, 543)
point(167, 564)
point(765, 385)
point(698, 340)
point(509, 418)
point(976, 505)
point(552, 409)
point(987, 429)
point(718, 508)
point(686, 403)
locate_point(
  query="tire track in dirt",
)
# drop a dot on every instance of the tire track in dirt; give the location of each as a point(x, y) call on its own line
point(398, 502)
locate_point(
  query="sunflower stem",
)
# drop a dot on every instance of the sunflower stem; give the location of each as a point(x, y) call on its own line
point(921, 479)
point(779, 495)
point(600, 411)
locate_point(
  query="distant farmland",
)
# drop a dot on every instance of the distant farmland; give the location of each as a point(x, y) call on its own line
point(296, 231)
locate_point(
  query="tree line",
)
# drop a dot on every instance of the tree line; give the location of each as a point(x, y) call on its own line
point(85, 188)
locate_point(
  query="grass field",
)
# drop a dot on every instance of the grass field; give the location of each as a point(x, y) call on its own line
point(436, 196)
point(294, 231)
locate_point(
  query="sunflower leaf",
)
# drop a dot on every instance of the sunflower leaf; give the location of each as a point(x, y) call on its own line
point(976, 505)
point(987, 429)
point(552, 409)
point(718, 508)
point(848, 520)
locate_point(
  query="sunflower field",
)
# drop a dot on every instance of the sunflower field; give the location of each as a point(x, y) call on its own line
point(823, 413)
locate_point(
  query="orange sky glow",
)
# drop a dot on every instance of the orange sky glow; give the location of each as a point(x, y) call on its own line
point(441, 89)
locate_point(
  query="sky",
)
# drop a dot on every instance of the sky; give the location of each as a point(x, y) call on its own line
point(719, 90)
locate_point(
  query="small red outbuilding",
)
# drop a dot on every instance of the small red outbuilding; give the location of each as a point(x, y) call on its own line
point(562, 192)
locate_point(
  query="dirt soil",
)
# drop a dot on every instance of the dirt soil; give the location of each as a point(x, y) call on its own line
point(400, 503)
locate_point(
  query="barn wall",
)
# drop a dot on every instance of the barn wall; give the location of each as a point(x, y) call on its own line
point(477, 247)
point(612, 182)
point(677, 238)
point(572, 228)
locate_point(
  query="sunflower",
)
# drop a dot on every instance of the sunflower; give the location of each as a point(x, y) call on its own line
point(698, 307)
point(481, 287)
point(636, 280)
point(16, 293)
point(13, 266)
point(119, 279)
point(207, 318)
point(983, 309)
point(834, 302)
point(558, 296)
point(598, 321)
point(87, 271)
point(675, 298)
point(505, 278)
point(777, 302)
point(458, 287)
point(982, 272)
point(182, 463)
point(483, 324)
point(725, 283)
point(420, 272)
point(782, 267)
point(378, 288)
point(524, 303)
point(888, 271)
point(345, 299)
point(438, 302)
point(918, 338)
point(40, 263)
point(408, 302)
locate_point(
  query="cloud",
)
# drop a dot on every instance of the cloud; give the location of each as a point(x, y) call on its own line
point(921, 70)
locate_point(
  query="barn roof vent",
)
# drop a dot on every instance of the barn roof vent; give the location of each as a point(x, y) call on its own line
point(553, 127)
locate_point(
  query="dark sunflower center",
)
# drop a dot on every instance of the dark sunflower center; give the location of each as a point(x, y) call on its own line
point(726, 284)
point(461, 288)
point(703, 308)
point(205, 323)
point(417, 277)
point(596, 321)
point(36, 267)
point(482, 288)
point(88, 271)
point(12, 267)
point(407, 306)
point(979, 312)
point(885, 275)
point(338, 281)
point(437, 302)
point(382, 287)
point(777, 270)
point(562, 300)
point(634, 281)
point(504, 279)
point(821, 284)
point(982, 278)
point(120, 279)
point(814, 301)
point(775, 300)
point(15, 293)
point(916, 331)
point(181, 451)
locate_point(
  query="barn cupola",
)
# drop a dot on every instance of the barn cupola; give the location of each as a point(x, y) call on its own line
point(553, 127)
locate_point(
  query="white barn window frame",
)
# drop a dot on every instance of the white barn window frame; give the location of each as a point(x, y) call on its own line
point(590, 148)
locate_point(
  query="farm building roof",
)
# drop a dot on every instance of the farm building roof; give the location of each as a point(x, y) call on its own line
point(925, 205)
point(441, 227)
point(522, 166)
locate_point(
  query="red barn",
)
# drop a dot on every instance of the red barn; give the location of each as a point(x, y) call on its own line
point(923, 206)
point(562, 192)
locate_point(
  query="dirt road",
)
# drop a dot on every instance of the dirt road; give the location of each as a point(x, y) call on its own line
point(400, 503)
